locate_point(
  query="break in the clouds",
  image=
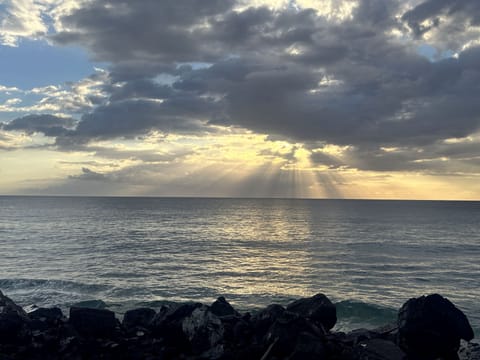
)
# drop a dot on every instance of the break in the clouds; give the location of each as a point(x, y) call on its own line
point(356, 85)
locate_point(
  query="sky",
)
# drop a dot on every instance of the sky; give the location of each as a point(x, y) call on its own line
point(370, 99)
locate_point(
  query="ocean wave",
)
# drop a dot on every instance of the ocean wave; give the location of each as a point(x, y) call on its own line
point(59, 285)
point(352, 314)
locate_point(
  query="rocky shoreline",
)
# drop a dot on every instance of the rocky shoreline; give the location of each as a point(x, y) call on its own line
point(428, 328)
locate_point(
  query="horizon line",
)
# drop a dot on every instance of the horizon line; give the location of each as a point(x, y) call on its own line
point(229, 197)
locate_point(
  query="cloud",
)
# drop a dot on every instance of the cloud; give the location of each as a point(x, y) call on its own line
point(8, 89)
point(446, 23)
point(309, 72)
point(89, 175)
point(32, 19)
point(48, 125)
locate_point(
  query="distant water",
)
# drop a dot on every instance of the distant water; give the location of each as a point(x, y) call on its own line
point(368, 256)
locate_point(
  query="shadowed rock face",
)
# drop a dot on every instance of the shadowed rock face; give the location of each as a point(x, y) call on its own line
point(318, 308)
point(428, 328)
point(92, 322)
point(431, 327)
point(13, 321)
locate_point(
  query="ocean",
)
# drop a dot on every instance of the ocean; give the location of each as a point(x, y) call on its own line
point(368, 257)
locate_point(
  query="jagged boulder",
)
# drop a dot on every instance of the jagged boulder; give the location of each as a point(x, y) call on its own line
point(264, 319)
point(13, 322)
point(221, 307)
point(167, 325)
point(204, 331)
point(44, 318)
point(285, 331)
point(318, 309)
point(93, 322)
point(378, 349)
point(431, 327)
point(141, 317)
point(308, 347)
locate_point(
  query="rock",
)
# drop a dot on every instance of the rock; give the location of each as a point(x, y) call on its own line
point(167, 324)
point(141, 317)
point(46, 314)
point(469, 351)
point(358, 335)
point(13, 322)
point(284, 332)
point(203, 329)
point(378, 349)
point(431, 327)
point(44, 318)
point(93, 322)
point(308, 347)
point(262, 320)
point(221, 307)
point(318, 309)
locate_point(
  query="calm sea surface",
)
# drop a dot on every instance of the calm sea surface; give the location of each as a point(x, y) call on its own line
point(368, 256)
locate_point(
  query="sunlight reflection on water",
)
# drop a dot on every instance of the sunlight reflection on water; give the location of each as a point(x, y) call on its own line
point(254, 252)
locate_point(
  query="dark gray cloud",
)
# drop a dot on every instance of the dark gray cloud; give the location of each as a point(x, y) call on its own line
point(182, 66)
point(162, 31)
point(89, 175)
point(463, 12)
point(49, 125)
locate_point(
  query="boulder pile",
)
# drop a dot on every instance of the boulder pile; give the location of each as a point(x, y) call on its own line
point(428, 328)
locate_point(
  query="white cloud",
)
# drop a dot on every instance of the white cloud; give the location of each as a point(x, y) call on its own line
point(6, 89)
point(64, 99)
point(21, 18)
point(32, 19)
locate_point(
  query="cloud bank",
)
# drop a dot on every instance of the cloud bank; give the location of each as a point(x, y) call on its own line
point(349, 74)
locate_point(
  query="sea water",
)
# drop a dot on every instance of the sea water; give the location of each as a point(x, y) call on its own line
point(369, 257)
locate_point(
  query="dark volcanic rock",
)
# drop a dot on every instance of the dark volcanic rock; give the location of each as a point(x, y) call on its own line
point(141, 317)
point(204, 330)
point(167, 324)
point(221, 307)
point(46, 314)
point(469, 351)
point(284, 333)
point(428, 328)
point(308, 347)
point(378, 349)
point(318, 308)
point(262, 320)
point(45, 318)
point(13, 322)
point(93, 322)
point(431, 327)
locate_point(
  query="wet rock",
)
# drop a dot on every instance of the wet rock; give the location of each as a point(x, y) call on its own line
point(262, 320)
point(141, 317)
point(204, 330)
point(431, 327)
point(469, 351)
point(284, 332)
point(357, 336)
point(45, 318)
point(46, 314)
point(318, 309)
point(378, 349)
point(388, 332)
point(308, 347)
point(167, 324)
point(13, 322)
point(221, 307)
point(93, 322)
